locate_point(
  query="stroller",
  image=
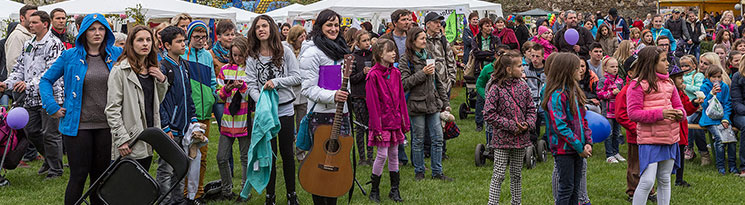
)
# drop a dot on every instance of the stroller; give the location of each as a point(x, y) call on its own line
point(13, 143)
point(471, 96)
point(126, 182)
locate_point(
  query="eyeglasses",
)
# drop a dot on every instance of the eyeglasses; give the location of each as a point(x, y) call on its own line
point(199, 38)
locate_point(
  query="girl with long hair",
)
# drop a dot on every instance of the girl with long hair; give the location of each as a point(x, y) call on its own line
point(363, 60)
point(646, 40)
point(625, 50)
point(607, 39)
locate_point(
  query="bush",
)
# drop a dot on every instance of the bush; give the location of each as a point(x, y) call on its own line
point(706, 46)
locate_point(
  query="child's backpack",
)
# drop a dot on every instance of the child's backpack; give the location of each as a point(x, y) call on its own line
point(12, 143)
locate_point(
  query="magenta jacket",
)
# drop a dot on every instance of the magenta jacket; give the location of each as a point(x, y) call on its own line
point(386, 103)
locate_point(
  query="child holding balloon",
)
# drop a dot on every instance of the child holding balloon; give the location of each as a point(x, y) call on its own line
point(653, 103)
point(568, 133)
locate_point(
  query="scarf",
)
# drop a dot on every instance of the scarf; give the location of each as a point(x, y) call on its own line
point(221, 53)
point(507, 36)
point(474, 28)
point(334, 49)
point(422, 55)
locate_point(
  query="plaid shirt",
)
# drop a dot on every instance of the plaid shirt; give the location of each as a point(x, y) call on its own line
point(36, 58)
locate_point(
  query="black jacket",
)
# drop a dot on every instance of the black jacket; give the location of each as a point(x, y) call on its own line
point(358, 76)
point(737, 92)
point(522, 34)
point(584, 42)
point(677, 28)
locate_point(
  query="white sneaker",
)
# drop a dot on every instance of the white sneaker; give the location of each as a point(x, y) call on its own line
point(619, 158)
point(611, 160)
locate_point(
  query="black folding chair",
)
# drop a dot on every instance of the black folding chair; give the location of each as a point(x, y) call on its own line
point(126, 182)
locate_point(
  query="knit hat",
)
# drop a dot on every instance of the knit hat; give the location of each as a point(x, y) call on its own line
point(193, 25)
point(541, 30)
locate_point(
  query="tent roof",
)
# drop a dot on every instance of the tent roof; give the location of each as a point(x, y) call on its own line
point(151, 9)
point(534, 12)
point(8, 8)
point(367, 8)
point(282, 14)
point(483, 5)
point(242, 15)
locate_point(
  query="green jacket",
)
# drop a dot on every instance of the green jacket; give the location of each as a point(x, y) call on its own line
point(693, 82)
point(265, 127)
point(484, 77)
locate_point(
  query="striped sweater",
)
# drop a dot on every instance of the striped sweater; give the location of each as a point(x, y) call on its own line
point(233, 124)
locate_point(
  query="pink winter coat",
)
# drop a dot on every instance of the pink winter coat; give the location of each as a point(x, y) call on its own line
point(646, 109)
point(386, 106)
point(605, 93)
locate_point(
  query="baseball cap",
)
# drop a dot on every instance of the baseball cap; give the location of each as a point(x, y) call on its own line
point(433, 16)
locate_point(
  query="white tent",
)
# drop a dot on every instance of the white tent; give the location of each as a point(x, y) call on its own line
point(242, 16)
point(150, 8)
point(375, 8)
point(477, 5)
point(282, 14)
point(8, 8)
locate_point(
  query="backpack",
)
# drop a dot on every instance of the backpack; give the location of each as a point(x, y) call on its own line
point(12, 143)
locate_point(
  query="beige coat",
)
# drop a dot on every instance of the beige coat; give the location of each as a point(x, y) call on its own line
point(125, 109)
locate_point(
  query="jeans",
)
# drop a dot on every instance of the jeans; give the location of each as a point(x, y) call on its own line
point(223, 152)
point(569, 170)
point(719, 150)
point(218, 110)
point(739, 122)
point(42, 131)
point(611, 144)
point(479, 111)
point(696, 136)
point(4, 100)
point(430, 122)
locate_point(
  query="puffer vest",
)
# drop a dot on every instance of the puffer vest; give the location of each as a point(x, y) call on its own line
point(663, 131)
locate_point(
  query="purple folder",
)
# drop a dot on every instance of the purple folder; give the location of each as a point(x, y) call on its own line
point(329, 77)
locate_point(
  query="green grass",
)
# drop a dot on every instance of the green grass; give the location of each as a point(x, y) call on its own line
point(606, 182)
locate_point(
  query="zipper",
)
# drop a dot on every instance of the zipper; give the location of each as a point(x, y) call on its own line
point(173, 117)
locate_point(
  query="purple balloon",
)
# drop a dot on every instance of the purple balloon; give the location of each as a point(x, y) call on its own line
point(17, 118)
point(571, 36)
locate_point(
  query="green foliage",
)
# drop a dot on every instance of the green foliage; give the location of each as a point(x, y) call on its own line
point(136, 14)
point(706, 46)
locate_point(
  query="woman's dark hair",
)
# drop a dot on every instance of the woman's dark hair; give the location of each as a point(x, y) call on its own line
point(380, 47)
point(473, 14)
point(600, 35)
point(282, 27)
point(323, 17)
point(411, 36)
point(645, 66)
point(129, 53)
point(720, 36)
point(275, 43)
point(484, 21)
point(519, 20)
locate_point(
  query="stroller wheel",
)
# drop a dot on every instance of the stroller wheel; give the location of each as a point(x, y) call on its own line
point(479, 155)
point(542, 151)
point(530, 157)
point(463, 111)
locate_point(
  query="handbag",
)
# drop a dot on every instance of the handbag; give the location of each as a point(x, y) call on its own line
point(715, 110)
point(727, 135)
point(450, 131)
point(470, 66)
point(304, 141)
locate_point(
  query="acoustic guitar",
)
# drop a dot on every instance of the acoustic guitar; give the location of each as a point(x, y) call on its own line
point(327, 169)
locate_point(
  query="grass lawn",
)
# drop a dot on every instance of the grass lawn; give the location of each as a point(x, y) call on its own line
point(606, 182)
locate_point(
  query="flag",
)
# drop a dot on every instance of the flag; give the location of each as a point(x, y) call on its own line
point(451, 27)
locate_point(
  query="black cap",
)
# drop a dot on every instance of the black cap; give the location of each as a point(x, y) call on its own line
point(433, 16)
point(613, 12)
point(676, 11)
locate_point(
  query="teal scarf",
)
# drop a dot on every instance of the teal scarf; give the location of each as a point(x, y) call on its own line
point(221, 53)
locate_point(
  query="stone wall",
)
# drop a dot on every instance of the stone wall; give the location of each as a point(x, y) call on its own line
point(626, 8)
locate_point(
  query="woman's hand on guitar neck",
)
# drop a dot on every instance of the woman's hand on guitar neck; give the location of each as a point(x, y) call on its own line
point(341, 96)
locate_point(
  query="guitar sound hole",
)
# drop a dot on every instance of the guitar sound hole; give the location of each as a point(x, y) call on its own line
point(332, 146)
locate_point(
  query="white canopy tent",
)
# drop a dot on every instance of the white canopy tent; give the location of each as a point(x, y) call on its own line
point(8, 8)
point(150, 8)
point(374, 9)
point(477, 5)
point(282, 14)
point(242, 16)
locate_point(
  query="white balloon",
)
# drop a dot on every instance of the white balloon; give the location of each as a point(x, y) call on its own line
point(738, 6)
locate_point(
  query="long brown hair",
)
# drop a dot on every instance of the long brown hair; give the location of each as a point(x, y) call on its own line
point(645, 66)
point(241, 43)
point(561, 77)
point(504, 60)
point(410, 38)
point(129, 53)
point(275, 41)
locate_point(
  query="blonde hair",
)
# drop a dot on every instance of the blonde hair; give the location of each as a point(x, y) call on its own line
point(604, 64)
point(713, 58)
point(179, 17)
point(622, 52)
point(635, 30)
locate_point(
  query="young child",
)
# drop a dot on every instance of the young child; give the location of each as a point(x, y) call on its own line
point(733, 62)
point(568, 133)
point(236, 123)
point(714, 87)
point(510, 111)
point(607, 94)
point(389, 118)
point(363, 63)
point(693, 80)
point(654, 105)
point(690, 107)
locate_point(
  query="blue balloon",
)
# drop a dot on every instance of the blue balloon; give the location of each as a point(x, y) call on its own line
point(599, 125)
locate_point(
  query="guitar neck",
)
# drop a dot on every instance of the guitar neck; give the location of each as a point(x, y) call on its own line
point(336, 128)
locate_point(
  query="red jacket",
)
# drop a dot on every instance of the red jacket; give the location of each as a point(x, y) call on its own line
point(691, 108)
point(622, 116)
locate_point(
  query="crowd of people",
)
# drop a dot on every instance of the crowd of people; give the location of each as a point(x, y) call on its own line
point(645, 76)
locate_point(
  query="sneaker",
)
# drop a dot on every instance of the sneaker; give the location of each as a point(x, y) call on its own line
point(419, 176)
point(722, 172)
point(4, 181)
point(689, 154)
point(611, 160)
point(43, 169)
point(682, 183)
point(442, 177)
point(619, 157)
point(52, 176)
point(652, 198)
point(742, 174)
point(734, 171)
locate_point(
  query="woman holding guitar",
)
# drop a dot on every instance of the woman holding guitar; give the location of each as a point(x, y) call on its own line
point(323, 53)
point(270, 65)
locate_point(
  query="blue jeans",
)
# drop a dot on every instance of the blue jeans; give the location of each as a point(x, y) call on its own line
point(739, 122)
point(611, 144)
point(4, 100)
point(430, 122)
point(719, 149)
point(479, 111)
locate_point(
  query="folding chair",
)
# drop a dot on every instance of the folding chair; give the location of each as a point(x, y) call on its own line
point(126, 182)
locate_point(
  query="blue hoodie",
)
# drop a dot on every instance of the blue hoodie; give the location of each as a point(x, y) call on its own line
point(73, 66)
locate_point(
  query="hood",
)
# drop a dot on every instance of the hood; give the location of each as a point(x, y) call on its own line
point(306, 45)
point(87, 22)
point(11, 27)
point(193, 25)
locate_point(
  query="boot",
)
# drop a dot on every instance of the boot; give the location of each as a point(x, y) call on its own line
point(705, 159)
point(269, 199)
point(375, 190)
point(292, 199)
point(394, 194)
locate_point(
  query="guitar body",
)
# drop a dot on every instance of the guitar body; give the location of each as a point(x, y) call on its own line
point(327, 172)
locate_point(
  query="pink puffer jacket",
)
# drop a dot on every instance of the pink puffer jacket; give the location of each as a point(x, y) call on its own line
point(646, 109)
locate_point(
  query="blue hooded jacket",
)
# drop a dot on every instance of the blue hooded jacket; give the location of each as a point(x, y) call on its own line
point(724, 99)
point(73, 66)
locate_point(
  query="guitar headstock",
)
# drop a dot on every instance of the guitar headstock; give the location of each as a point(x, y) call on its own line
point(348, 65)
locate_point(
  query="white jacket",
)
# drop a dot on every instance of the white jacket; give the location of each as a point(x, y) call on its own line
point(311, 58)
point(14, 45)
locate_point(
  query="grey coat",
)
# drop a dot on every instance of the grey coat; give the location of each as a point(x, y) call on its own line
point(427, 93)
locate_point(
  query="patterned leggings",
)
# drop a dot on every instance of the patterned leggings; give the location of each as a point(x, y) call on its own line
point(359, 106)
point(502, 157)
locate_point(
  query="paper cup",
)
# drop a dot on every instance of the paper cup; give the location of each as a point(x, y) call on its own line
point(430, 61)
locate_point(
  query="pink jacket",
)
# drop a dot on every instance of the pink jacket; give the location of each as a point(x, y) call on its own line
point(386, 104)
point(605, 93)
point(646, 109)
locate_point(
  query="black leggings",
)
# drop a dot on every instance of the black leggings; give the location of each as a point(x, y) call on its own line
point(679, 172)
point(322, 200)
point(286, 144)
point(88, 154)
